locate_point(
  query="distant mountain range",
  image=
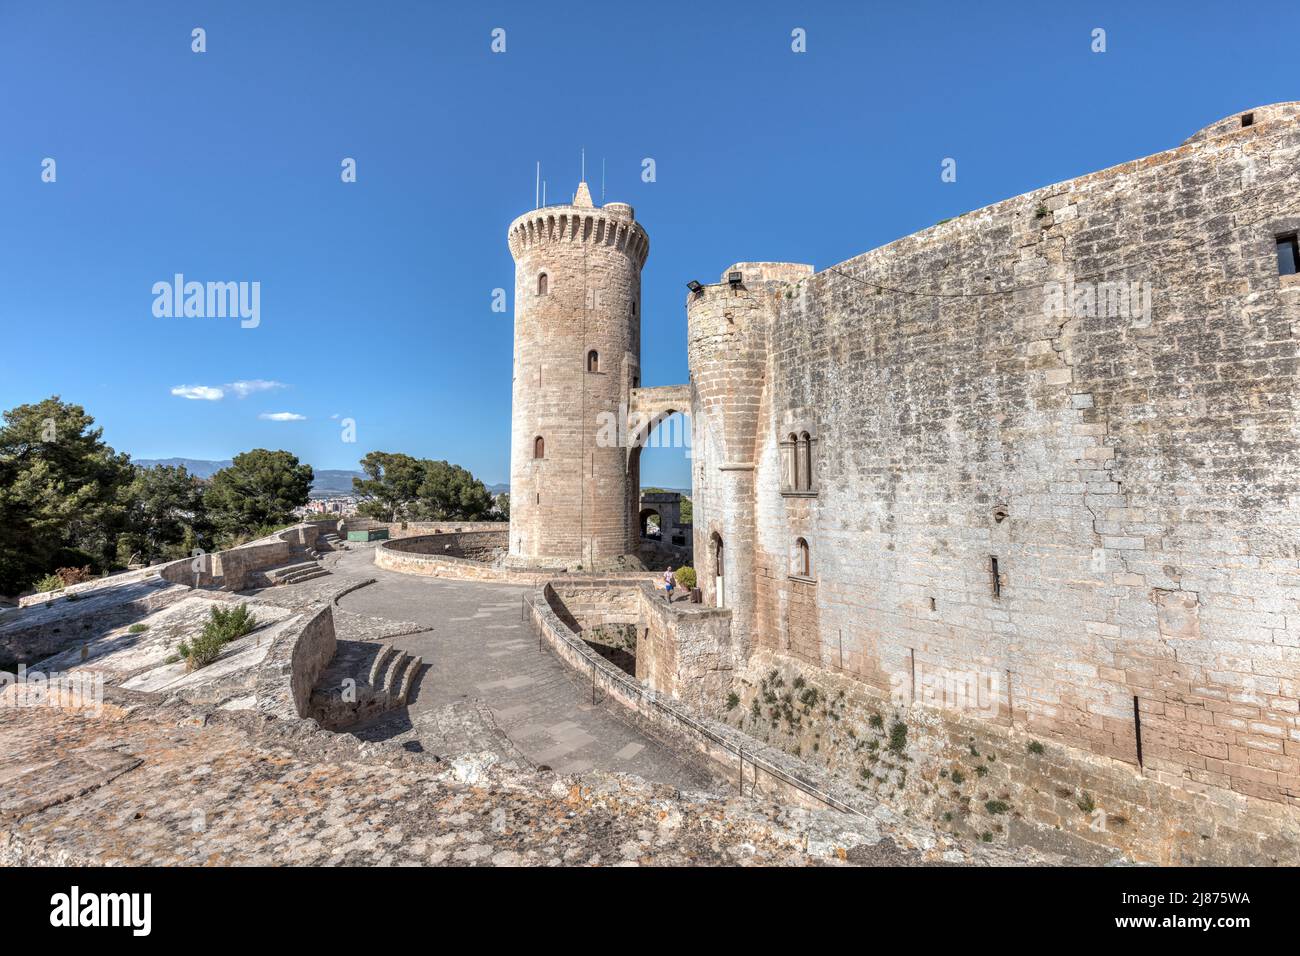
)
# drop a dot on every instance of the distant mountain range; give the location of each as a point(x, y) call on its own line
point(328, 481)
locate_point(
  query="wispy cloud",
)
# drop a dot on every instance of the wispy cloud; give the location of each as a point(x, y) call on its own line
point(244, 389)
point(282, 417)
point(215, 393)
point(203, 393)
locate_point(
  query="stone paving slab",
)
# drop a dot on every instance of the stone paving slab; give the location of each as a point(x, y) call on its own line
point(477, 646)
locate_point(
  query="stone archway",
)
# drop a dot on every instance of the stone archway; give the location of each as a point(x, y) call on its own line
point(645, 516)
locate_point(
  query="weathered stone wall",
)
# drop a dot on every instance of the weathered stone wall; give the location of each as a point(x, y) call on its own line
point(1132, 470)
point(727, 350)
point(685, 651)
point(294, 663)
point(473, 545)
point(413, 529)
point(570, 504)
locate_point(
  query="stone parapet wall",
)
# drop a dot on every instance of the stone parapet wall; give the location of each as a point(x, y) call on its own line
point(414, 529)
point(755, 768)
point(293, 665)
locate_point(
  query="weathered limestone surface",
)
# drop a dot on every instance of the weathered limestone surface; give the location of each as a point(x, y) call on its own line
point(1133, 471)
point(150, 784)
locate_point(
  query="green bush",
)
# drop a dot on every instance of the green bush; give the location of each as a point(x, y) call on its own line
point(685, 577)
point(51, 582)
point(223, 625)
point(898, 736)
point(229, 623)
point(138, 628)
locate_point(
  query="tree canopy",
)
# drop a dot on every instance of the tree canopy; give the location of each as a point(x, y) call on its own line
point(401, 488)
point(257, 492)
point(59, 492)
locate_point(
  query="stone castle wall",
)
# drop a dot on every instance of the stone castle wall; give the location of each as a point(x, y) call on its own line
point(1133, 471)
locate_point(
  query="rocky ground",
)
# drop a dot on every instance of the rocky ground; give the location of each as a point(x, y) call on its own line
point(171, 783)
point(169, 771)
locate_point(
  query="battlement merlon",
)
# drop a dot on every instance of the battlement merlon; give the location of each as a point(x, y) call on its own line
point(613, 224)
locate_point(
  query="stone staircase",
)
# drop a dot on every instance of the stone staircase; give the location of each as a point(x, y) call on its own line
point(296, 573)
point(364, 680)
point(394, 671)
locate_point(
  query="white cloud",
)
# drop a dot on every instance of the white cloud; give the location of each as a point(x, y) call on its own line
point(244, 389)
point(205, 393)
point(282, 417)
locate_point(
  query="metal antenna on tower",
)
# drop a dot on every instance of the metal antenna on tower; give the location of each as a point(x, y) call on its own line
point(583, 178)
point(602, 180)
point(537, 191)
point(543, 192)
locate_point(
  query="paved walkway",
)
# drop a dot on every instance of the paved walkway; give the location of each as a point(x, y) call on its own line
point(480, 646)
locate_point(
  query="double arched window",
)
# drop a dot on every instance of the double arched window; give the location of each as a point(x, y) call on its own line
point(797, 463)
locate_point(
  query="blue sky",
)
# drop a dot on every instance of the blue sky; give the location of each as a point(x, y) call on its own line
point(376, 296)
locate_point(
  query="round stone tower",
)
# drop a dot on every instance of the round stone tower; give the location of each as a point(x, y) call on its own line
point(577, 356)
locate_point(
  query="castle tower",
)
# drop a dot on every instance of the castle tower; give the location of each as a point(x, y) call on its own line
point(577, 356)
point(727, 343)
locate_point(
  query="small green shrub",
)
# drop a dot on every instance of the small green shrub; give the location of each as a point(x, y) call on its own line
point(685, 577)
point(1035, 748)
point(51, 582)
point(1085, 803)
point(733, 699)
point(138, 628)
point(205, 649)
point(224, 624)
point(987, 837)
point(996, 806)
point(229, 623)
point(875, 720)
point(898, 736)
point(958, 777)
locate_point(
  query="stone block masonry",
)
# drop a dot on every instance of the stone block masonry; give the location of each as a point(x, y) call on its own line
point(577, 359)
point(1052, 448)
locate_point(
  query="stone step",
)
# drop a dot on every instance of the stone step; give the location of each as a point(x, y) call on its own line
point(279, 574)
point(301, 576)
point(381, 661)
point(412, 671)
point(391, 681)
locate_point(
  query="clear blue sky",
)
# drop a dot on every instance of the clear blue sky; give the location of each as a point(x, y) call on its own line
point(376, 296)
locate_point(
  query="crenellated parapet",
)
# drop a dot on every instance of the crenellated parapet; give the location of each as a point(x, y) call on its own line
point(611, 226)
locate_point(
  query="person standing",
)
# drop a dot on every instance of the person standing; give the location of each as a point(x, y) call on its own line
point(670, 582)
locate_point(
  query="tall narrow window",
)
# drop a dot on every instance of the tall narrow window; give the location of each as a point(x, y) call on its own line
point(593, 361)
point(539, 447)
point(995, 576)
point(793, 478)
point(802, 560)
point(805, 461)
point(1288, 255)
point(543, 283)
